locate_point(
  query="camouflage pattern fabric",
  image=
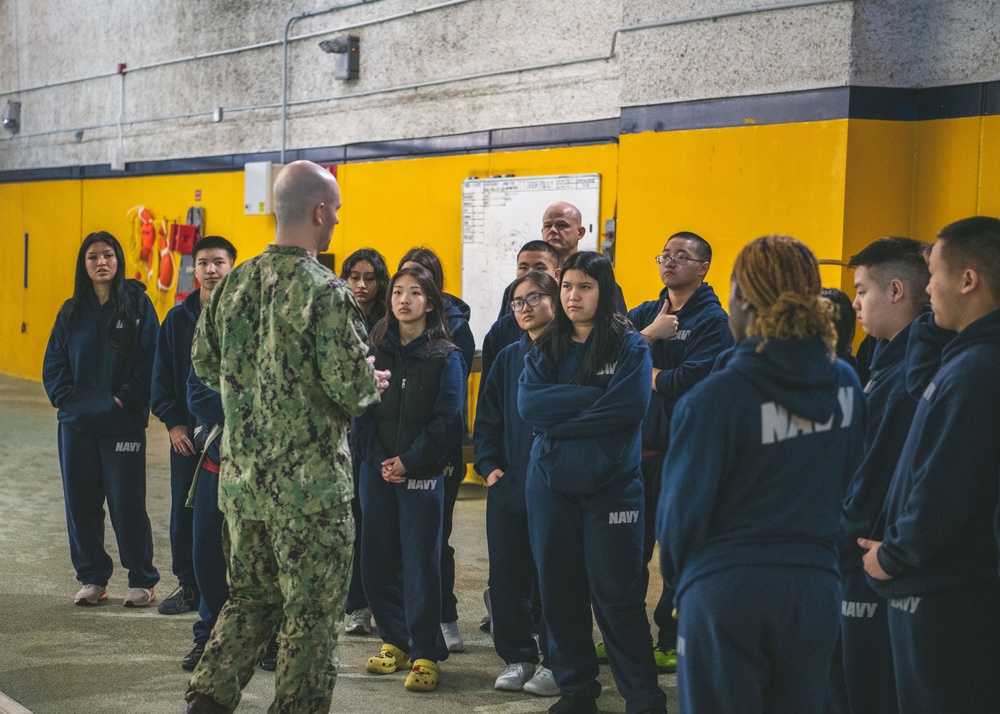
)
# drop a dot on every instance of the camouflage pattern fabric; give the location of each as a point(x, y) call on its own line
point(298, 572)
point(284, 343)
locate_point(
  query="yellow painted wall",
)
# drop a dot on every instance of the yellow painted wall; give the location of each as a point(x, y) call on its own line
point(729, 186)
point(837, 185)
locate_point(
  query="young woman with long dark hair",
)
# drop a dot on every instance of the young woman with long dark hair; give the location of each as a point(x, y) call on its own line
point(97, 372)
point(402, 443)
point(584, 391)
point(367, 276)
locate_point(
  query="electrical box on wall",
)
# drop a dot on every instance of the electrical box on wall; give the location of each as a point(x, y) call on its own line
point(258, 184)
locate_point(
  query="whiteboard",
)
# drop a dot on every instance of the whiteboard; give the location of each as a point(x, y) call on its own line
point(499, 215)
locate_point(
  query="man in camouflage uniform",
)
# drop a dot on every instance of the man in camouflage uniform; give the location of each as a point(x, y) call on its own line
point(284, 343)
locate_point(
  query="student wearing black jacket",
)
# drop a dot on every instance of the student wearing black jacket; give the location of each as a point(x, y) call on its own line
point(937, 561)
point(749, 517)
point(97, 372)
point(456, 313)
point(403, 444)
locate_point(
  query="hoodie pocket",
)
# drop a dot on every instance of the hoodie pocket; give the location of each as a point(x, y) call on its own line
point(581, 467)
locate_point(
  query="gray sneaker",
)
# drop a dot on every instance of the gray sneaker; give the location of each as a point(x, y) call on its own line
point(514, 677)
point(140, 597)
point(91, 594)
point(452, 637)
point(359, 622)
point(542, 684)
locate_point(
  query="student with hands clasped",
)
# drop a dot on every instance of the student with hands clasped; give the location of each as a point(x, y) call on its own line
point(584, 391)
point(404, 444)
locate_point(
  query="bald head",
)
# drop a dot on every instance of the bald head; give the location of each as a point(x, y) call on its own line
point(562, 228)
point(306, 200)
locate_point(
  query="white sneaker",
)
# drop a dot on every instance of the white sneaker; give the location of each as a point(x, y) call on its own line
point(359, 622)
point(452, 637)
point(513, 678)
point(91, 594)
point(543, 684)
point(140, 597)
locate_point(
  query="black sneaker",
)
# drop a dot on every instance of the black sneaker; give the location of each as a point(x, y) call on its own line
point(192, 658)
point(573, 705)
point(183, 599)
point(269, 662)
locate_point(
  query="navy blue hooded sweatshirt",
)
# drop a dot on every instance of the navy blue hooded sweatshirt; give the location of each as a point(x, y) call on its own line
point(83, 374)
point(587, 435)
point(205, 406)
point(890, 413)
point(620, 306)
point(503, 439)
point(923, 352)
point(941, 502)
point(702, 333)
point(457, 313)
point(435, 442)
point(760, 457)
point(173, 362)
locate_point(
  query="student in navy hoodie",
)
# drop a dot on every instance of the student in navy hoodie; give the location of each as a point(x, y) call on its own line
point(503, 447)
point(367, 276)
point(759, 459)
point(457, 316)
point(937, 560)
point(890, 279)
point(535, 255)
point(96, 372)
point(213, 257)
point(584, 390)
point(686, 329)
point(403, 443)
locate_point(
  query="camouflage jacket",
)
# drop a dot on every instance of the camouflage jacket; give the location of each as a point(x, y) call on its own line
point(283, 341)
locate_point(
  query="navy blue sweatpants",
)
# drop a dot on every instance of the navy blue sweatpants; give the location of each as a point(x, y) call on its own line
point(210, 560)
point(589, 548)
point(946, 650)
point(452, 482)
point(96, 468)
point(666, 625)
point(757, 639)
point(181, 518)
point(401, 561)
point(869, 680)
point(356, 599)
point(513, 581)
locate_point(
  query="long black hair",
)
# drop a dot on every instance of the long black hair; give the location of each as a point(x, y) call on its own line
point(436, 325)
point(609, 326)
point(125, 297)
point(380, 269)
point(429, 259)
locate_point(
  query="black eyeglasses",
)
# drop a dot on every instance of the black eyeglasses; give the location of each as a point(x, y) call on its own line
point(676, 260)
point(531, 300)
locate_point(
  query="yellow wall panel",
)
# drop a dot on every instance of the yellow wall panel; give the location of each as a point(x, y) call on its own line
point(729, 186)
point(989, 167)
point(946, 174)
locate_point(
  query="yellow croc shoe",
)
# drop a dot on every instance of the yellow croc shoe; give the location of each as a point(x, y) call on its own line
point(390, 659)
point(423, 677)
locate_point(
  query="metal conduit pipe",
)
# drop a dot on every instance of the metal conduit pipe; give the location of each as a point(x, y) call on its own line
point(449, 80)
point(365, 23)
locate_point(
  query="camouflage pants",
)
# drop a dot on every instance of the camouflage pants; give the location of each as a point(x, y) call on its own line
point(294, 571)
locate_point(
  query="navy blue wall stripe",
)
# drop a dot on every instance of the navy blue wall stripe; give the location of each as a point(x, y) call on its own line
point(881, 103)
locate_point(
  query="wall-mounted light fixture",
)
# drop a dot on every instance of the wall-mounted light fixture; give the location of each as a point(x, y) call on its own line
point(347, 55)
point(12, 117)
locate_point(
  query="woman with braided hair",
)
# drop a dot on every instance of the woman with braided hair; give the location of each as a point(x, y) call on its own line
point(760, 455)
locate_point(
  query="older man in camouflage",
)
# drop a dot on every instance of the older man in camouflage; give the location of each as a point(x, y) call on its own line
point(284, 343)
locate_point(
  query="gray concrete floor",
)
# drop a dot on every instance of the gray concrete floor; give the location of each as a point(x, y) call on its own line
point(56, 658)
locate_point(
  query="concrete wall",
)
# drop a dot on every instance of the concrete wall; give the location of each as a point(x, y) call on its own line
point(167, 109)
